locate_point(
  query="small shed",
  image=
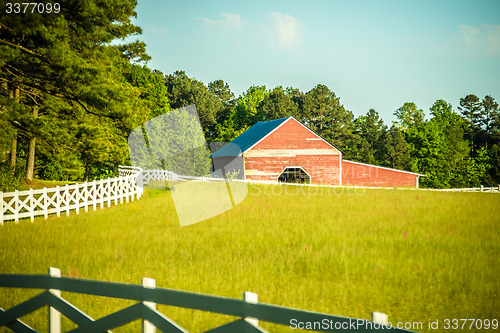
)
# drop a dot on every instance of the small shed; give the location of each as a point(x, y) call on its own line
point(285, 150)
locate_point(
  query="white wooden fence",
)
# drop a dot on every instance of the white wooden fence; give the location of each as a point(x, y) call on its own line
point(28, 204)
point(144, 176)
point(471, 189)
point(124, 171)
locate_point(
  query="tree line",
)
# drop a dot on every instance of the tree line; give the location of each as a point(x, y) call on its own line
point(70, 95)
point(453, 148)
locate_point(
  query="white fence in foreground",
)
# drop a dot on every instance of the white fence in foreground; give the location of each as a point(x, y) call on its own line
point(60, 199)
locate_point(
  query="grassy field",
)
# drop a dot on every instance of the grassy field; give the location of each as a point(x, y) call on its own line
point(415, 255)
point(39, 183)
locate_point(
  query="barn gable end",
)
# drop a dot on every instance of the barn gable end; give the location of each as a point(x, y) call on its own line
point(292, 144)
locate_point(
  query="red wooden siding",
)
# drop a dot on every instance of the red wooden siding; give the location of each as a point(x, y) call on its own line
point(293, 135)
point(370, 175)
point(293, 145)
point(322, 169)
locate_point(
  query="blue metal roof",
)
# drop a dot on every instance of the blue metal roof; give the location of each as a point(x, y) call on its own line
point(249, 138)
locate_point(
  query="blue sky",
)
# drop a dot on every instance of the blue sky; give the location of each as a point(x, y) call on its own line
point(372, 54)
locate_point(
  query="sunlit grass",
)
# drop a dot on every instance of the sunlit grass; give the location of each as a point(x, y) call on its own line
point(414, 255)
point(40, 183)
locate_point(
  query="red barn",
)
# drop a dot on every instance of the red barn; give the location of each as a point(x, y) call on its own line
point(286, 150)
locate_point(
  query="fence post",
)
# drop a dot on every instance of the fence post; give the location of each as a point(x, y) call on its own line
point(253, 298)
point(54, 315)
point(147, 327)
point(108, 181)
point(1, 208)
point(133, 187)
point(380, 318)
point(128, 189)
point(95, 194)
point(16, 206)
point(100, 189)
point(58, 201)
point(45, 204)
point(86, 196)
point(121, 189)
point(68, 199)
point(481, 188)
point(138, 185)
point(32, 204)
point(77, 198)
point(115, 182)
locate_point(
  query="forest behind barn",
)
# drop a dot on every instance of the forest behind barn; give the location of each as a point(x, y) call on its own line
point(71, 95)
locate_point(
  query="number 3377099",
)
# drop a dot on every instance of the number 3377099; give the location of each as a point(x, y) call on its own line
point(32, 8)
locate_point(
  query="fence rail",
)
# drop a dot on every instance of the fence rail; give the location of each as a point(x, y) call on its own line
point(145, 176)
point(148, 295)
point(471, 189)
point(56, 200)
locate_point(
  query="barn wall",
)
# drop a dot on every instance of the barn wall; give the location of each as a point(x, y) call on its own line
point(323, 169)
point(370, 175)
point(293, 145)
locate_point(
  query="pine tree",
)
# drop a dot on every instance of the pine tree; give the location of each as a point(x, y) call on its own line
point(371, 130)
point(397, 151)
point(66, 70)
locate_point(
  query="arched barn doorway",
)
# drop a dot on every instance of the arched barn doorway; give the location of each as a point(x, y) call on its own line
point(294, 174)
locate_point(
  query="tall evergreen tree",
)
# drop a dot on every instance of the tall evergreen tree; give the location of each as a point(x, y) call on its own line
point(490, 138)
point(184, 91)
point(323, 113)
point(409, 116)
point(371, 130)
point(470, 107)
point(489, 113)
point(397, 152)
point(221, 89)
point(277, 104)
point(319, 107)
point(66, 68)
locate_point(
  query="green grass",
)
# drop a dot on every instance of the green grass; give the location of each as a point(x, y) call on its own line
point(415, 255)
point(40, 183)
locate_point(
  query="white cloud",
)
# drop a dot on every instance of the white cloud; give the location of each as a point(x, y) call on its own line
point(286, 30)
point(484, 38)
point(228, 20)
point(158, 30)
